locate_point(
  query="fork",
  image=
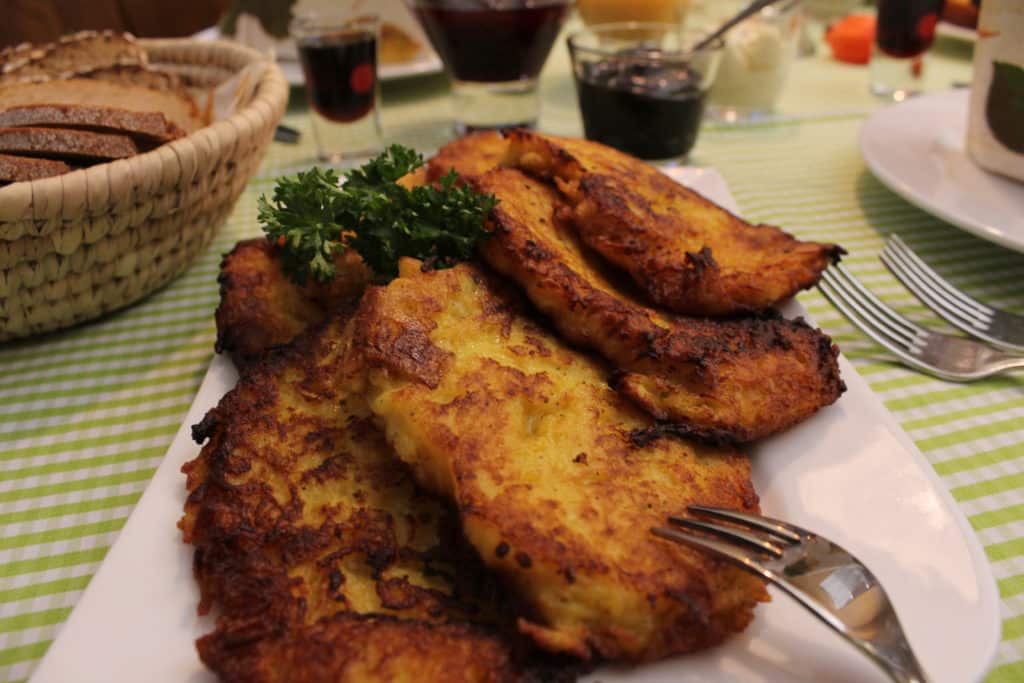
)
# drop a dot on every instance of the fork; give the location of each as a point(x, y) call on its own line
point(999, 328)
point(952, 358)
point(825, 579)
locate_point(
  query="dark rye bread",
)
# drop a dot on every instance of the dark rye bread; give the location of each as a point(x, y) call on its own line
point(14, 169)
point(71, 145)
point(176, 107)
point(146, 128)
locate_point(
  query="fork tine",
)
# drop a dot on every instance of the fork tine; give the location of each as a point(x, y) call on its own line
point(929, 297)
point(720, 548)
point(774, 527)
point(843, 299)
point(930, 294)
point(873, 303)
point(969, 304)
point(729, 533)
point(879, 338)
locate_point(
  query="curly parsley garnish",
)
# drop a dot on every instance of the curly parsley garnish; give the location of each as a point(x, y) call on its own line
point(311, 217)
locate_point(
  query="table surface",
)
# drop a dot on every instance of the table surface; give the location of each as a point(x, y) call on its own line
point(87, 414)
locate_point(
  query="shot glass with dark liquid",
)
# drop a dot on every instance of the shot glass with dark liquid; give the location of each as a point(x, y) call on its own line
point(904, 32)
point(640, 89)
point(493, 52)
point(338, 53)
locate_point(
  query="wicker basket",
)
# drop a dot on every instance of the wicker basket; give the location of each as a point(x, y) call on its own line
point(76, 246)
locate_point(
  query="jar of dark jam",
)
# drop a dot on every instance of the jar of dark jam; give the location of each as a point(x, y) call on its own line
point(640, 89)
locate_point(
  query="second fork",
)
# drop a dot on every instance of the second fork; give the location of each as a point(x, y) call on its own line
point(952, 358)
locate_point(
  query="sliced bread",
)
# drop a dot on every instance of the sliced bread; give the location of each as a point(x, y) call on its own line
point(71, 54)
point(14, 169)
point(146, 128)
point(176, 107)
point(73, 145)
point(134, 74)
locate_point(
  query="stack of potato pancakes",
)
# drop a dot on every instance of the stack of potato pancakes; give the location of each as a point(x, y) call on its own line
point(452, 477)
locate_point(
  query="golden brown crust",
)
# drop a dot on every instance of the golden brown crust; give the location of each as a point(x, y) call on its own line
point(469, 156)
point(351, 647)
point(685, 253)
point(535, 450)
point(322, 559)
point(260, 308)
point(736, 379)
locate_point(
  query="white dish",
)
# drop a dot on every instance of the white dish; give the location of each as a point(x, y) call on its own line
point(948, 30)
point(250, 32)
point(849, 473)
point(916, 148)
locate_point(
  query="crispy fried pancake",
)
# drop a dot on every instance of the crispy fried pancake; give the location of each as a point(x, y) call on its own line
point(735, 379)
point(469, 156)
point(352, 647)
point(685, 252)
point(260, 308)
point(534, 448)
point(323, 559)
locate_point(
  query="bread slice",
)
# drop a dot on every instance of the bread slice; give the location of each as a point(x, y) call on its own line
point(135, 74)
point(71, 54)
point(146, 128)
point(175, 106)
point(55, 143)
point(14, 169)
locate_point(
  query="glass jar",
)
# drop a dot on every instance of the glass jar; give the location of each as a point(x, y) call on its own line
point(756, 61)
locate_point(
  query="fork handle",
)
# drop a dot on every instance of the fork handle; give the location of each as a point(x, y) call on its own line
point(1006, 362)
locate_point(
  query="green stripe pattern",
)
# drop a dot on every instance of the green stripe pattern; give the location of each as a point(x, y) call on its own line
point(86, 414)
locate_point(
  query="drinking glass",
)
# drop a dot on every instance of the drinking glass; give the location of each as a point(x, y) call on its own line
point(493, 52)
point(641, 88)
point(338, 52)
point(905, 30)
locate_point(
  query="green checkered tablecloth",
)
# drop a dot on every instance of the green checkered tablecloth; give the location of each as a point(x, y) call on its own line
point(86, 414)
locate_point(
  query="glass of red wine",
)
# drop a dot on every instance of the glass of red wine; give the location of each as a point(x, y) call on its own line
point(640, 88)
point(338, 53)
point(493, 51)
point(905, 31)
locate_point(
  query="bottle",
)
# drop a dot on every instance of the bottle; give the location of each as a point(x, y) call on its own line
point(995, 120)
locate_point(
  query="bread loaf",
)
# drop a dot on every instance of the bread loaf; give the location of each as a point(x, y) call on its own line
point(72, 54)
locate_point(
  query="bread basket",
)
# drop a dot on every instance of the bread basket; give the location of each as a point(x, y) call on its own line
point(79, 245)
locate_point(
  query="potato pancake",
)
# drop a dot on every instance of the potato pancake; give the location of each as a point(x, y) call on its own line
point(468, 156)
point(686, 253)
point(735, 379)
point(261, 308)
point(323, 560)
point(523, 433)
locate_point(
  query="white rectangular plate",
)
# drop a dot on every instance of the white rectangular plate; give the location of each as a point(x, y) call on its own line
point(849, 473)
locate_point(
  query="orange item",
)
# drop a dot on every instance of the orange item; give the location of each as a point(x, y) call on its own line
point(851, 38)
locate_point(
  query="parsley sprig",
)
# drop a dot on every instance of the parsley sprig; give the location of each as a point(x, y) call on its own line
point(311, 216)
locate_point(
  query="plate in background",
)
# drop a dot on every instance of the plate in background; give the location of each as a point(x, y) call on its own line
point(916, 148)
point(250, 32)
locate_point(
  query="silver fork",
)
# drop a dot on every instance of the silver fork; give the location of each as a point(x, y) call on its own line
point(942, 355)
point(825, 579)
point(999, 328)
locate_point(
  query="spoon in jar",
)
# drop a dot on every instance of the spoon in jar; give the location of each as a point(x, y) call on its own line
point(752, 8)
